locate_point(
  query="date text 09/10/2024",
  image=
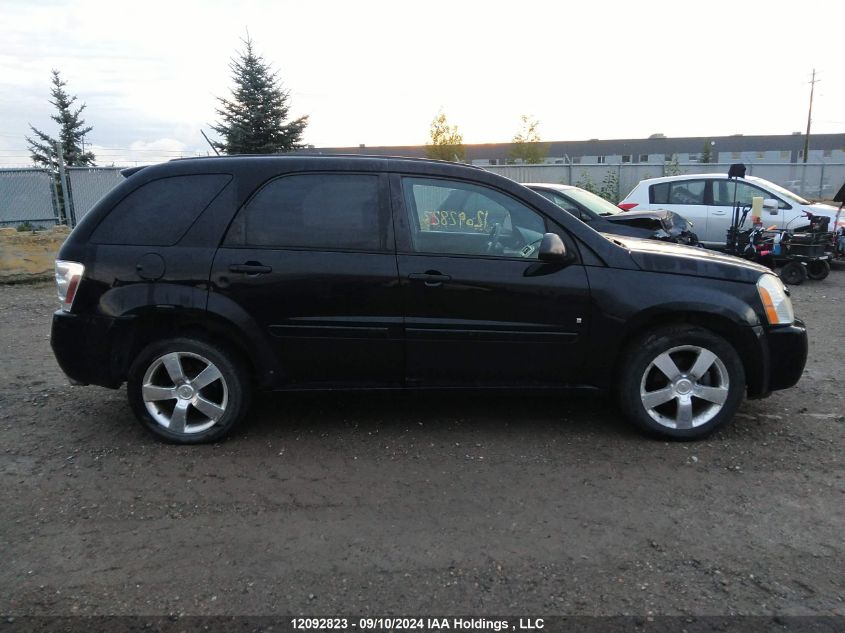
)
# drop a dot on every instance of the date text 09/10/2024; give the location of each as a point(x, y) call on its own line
point(419, 624)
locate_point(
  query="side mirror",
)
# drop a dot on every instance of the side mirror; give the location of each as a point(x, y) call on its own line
point(771, 206)
point(552, 249)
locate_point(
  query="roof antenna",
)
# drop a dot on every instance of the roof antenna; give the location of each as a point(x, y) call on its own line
point(210, 143)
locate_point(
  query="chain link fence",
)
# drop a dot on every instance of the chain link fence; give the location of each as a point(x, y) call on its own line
point(88, 184)
point(33, 197)
point(28, 197)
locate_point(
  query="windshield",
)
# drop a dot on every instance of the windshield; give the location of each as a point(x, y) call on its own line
point(594, 203)
point(786, 193)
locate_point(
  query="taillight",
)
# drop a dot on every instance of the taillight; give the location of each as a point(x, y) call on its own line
point(627, 206)
point(68, 276)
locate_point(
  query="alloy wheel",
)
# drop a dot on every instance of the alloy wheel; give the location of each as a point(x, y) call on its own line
point(184, 392)
point(684, 387)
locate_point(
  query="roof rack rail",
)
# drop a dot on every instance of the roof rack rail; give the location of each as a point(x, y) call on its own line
point(317, 154)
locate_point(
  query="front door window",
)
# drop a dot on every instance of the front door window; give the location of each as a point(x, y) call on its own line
point(455, 218)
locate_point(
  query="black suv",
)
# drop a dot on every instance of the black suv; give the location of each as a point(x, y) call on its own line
point(198, 280)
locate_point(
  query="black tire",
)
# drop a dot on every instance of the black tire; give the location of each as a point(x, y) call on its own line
point(818, 269)
point(683, 345)
point(793, 274)
point(227, 395)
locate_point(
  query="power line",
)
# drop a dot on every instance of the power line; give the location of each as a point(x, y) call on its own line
point(109, 150)
point(131, 149)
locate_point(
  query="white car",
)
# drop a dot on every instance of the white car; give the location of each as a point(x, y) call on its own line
point(706, 200)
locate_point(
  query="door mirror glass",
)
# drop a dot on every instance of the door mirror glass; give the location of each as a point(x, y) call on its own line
point(552, 249)
point(770, 206)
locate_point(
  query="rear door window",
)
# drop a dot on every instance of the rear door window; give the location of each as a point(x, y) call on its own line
point(687, 192)
point(159, 212)
point(321, 211)
point(659, 194)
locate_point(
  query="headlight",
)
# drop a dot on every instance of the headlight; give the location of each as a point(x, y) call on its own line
point(68, 276)
point(776, 302)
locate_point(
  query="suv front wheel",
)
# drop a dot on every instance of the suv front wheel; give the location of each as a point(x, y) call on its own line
point(681, 382)
point(187, 391)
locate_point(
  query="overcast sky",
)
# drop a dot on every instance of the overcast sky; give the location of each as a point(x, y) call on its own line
point(377, 72)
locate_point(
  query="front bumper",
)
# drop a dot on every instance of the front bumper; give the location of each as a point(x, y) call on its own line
point(83, 346)
point(787, 355)
point(776, 359)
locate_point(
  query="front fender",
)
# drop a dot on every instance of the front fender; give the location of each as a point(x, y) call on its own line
point(626, 303)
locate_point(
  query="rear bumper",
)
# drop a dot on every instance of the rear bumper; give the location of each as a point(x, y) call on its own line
point(83, 348)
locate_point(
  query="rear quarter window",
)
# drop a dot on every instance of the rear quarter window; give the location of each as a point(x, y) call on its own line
point(159, 212)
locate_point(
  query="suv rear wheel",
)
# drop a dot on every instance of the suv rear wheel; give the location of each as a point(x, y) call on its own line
point(681, 382)
point(187, 391)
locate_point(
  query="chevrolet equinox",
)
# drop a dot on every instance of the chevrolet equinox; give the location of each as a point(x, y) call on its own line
point(199, 281)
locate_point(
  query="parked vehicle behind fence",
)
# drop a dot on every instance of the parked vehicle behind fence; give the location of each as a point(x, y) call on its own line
point(198, 281)
point(707, 201)
point(606, 217)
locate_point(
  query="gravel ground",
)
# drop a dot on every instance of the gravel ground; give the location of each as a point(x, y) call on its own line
point(418, 504)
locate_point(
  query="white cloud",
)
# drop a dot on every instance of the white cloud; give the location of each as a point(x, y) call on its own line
point(377, 72)
point(143, 152)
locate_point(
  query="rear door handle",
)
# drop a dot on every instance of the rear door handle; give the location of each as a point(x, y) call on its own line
point(431, 278)
point(250, 268)
point(719, 212)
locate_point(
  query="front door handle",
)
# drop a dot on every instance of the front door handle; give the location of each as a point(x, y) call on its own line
point(431, 278)
point(250, 268)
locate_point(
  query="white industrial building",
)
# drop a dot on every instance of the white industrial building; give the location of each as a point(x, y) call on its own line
point(657, 149)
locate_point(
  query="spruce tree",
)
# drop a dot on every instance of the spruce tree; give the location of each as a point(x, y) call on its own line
point(254, 120)
point(72, 131)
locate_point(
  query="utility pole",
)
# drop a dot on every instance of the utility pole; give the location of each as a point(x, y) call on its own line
point(813, 83)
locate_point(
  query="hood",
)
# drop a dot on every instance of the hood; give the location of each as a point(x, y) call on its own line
point(825, 209)
point(662, 218)
point(663, 225)
point(605, 225)
point(644, 219)
point(658, 214)
point(820, 208)
point(677, 259)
